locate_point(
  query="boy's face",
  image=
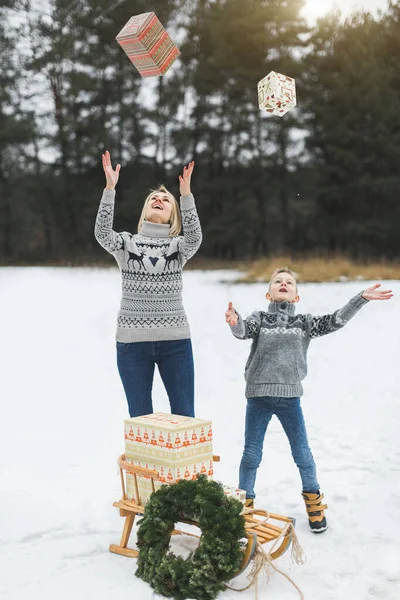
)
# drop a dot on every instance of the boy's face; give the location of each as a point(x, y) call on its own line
point(283, 288)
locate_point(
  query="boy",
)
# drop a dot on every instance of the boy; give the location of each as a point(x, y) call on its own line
point(274, 370)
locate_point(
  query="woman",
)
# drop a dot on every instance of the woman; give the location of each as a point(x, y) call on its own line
point(152, 326)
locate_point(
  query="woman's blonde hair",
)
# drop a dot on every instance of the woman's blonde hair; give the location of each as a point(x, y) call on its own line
point(175, 222)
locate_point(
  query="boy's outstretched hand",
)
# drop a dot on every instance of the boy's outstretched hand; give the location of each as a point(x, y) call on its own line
point(231, 315)
point(373, 293)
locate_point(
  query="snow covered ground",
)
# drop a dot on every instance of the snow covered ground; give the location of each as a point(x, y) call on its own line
point(61, 431)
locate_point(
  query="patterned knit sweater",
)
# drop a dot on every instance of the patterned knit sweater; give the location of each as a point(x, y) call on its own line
point(151, 265)
point(278, 357)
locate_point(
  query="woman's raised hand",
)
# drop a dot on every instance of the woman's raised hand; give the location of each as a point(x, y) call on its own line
point(231, 315)
point(184, 179)
point(111, 175)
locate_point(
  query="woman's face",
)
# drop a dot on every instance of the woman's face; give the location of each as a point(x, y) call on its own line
point(159, 208)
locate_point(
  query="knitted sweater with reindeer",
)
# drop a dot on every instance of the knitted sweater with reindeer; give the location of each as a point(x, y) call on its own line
point(151, 265)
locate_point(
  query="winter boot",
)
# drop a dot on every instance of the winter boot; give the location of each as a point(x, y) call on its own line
point(315, 510)
point(249, 503)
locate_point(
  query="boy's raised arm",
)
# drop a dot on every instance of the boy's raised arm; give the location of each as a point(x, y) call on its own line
point(329, 323)
point(243, 329)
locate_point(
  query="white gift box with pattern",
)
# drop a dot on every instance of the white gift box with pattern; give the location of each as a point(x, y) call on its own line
point(277, 93)
point(175, 446)
point(232, 492)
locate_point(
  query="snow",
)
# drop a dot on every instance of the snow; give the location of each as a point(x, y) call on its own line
point(61, 432)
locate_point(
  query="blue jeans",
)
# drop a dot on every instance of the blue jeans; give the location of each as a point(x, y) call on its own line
point(258, 415)
point(136, 362)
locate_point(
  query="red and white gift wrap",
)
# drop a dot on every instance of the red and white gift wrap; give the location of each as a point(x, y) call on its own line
point(148, 45)
point(175, 446)
point(276, 93)
point(236, 493)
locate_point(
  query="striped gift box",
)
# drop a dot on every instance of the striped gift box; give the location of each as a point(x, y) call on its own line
point(148, 45)
point(276, 93)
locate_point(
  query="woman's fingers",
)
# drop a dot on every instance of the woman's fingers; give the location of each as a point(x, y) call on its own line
point(187, 170)
point(106, 160)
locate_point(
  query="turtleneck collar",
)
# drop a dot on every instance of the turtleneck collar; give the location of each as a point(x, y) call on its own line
point(282, 307)
point(154, 230)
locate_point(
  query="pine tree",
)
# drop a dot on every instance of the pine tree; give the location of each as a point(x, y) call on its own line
point(16, 133)
point(230, 46)
point(354, 122)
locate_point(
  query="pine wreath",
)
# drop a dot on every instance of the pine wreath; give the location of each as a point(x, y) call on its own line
point(203, 574)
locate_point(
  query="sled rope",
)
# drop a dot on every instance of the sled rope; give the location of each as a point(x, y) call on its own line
point(263, 561)
point(297, 553)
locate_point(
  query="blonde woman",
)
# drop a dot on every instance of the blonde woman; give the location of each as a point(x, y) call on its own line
point(152, 327)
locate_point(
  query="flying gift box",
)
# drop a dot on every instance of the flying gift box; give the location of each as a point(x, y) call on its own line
point(276, 93)
point(175, 446)
point(148, 45)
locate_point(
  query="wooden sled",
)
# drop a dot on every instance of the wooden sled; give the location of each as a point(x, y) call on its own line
point(261, 526)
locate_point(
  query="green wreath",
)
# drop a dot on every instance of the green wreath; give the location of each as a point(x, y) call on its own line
point(203, 574)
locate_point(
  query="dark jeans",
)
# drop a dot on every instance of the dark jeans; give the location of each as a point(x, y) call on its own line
point(258, 415)
point(136, 362)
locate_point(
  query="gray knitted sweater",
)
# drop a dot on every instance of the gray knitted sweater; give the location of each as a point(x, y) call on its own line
point(151, 265)
point(278, 357)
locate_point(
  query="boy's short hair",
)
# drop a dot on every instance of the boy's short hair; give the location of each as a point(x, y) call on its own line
point(282, 270)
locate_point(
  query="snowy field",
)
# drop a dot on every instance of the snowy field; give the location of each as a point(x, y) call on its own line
point(61, 431)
